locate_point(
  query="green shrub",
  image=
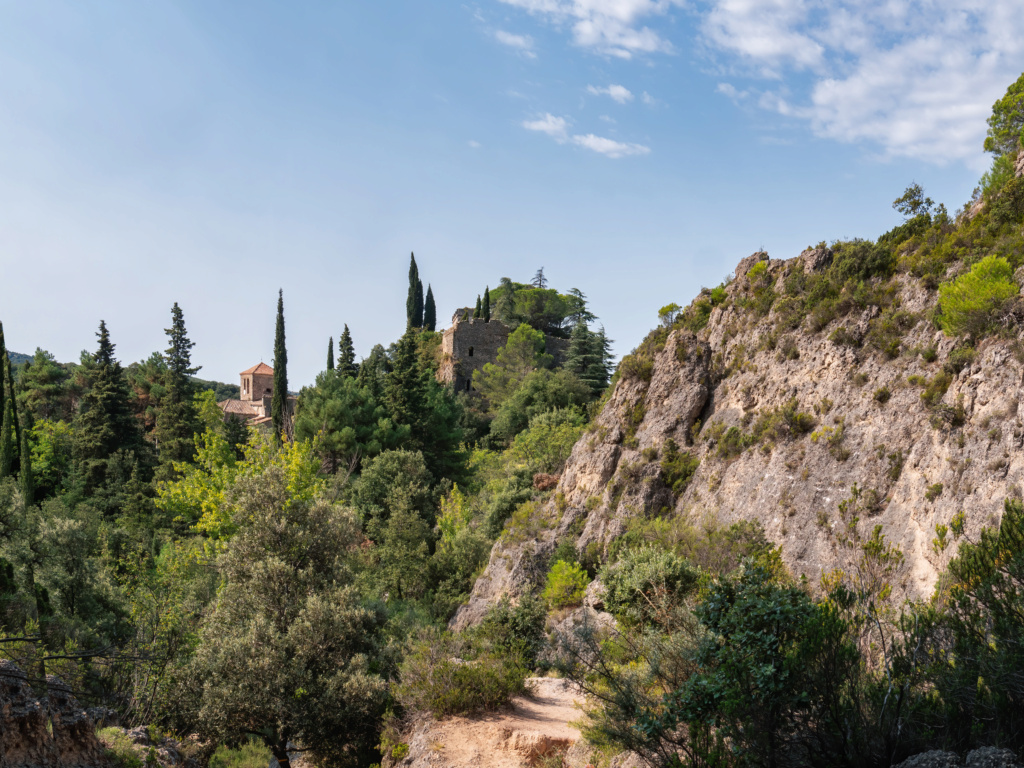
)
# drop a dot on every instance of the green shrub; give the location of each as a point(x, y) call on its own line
point(731, 444)
point(444, 674)
point(969, 303)
point(647, 584)
point(959, 358)
point(565, 585)
point(936, 388)
point(677, 467)
point(860, 260)
point(119, 748)
point(843, 336)
point(933, 492)
point(252, 754)
point(882, 395)
point(515, 630)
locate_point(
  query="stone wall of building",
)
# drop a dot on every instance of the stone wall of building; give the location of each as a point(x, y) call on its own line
point(471, 343)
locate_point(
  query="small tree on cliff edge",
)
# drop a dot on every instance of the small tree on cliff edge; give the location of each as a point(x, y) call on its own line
point(280, 400)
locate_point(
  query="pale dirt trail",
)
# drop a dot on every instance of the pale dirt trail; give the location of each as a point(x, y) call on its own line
point(516, 737)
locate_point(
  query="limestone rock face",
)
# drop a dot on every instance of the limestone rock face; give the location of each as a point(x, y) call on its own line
point(53, 732)
point(1018, 166)
point(914, 464)
point(986, 757)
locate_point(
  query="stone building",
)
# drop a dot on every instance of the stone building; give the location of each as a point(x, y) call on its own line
point(255, 398)
point(470, 343)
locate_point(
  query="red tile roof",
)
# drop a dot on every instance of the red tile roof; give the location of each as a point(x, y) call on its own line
point(261, 368)
point(243, 407)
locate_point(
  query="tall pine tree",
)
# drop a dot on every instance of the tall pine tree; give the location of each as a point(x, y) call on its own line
point(330, 354)
point(414, 305)
point(429, 311)
point(477, 310)
point(28, 488)
point(346, 355)
point(104, 423)
point(486, 308)
point(177, 419)
point(279, 403)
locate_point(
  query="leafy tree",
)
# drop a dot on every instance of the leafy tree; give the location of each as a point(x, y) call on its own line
point(1006, 123)
point(45, 388)
point(374, 370)
point(404, 386)
point(522, 354)
point(414, 301)
point(485, 309)
point(330, 354)
point(539, 281)
point(913, 203)
point(668, 314)
point(541, 391)
point(52, 455)
point(345, 420)
point(970, 302)
point(104, 423)
point(25, 479)
point(394, 480)
point(546, 444)
point(347, 365)
point(279, 403)
point(177, 420)
point(287, 652)
point(429, 311)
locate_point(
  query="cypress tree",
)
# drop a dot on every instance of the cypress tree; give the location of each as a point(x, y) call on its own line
point(346, 355)
point(429, 311)
point(177, 420)
point(7, 438)
point(478, 309)
point(279, 403)
point(28, 487)
point(418, 308)
point(410, 302)
point(330, 354)
point(486, 308)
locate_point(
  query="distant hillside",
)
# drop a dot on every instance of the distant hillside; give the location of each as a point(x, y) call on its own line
point(17, 358)
point(220, 390)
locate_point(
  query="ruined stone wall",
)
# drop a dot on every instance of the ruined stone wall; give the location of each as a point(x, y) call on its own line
point(466, 347)
point(470, 344)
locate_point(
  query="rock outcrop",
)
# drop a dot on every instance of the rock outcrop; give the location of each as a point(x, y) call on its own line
point(876, 451)
point(986, 757)
point(54, 732)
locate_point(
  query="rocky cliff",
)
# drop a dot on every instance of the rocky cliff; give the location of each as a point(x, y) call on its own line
point(820, 428)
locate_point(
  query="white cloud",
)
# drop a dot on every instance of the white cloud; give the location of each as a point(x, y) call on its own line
point(474, 144)
point(730, 90)
point(558, 129)
point(915, 77)
point(555, 127)
point(647, 99)
point(612, 27)
point(609, 147)
point(607, 119)
point(522, 43)
point(618, 93)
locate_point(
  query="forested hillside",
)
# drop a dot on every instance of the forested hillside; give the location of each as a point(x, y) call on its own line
point(788, 530)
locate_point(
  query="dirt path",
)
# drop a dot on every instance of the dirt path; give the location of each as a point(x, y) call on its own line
point(532, 727)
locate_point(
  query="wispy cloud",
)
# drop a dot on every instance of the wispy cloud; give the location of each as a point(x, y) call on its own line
point(618, 93)
point(609, 147)
point(473, 144)
point(915, 77)
point(558, 129)
point(522, 43)
point(611, 27)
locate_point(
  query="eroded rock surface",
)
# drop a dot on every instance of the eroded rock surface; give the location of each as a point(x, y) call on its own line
point(914, 464)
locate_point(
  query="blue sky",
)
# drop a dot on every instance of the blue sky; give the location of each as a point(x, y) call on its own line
point(210, 153)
